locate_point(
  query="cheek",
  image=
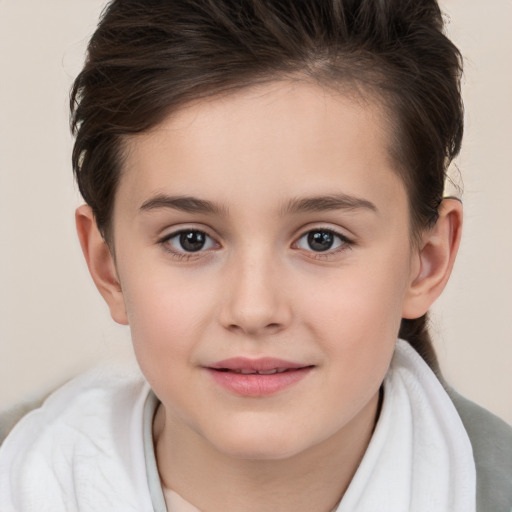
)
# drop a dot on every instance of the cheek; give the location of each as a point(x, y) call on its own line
point(166, 316)
point(358, 301)
point(356, 314)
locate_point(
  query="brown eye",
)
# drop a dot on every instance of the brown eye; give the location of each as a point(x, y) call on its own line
point(192, 241)
point(189, 241)
point(321, 240)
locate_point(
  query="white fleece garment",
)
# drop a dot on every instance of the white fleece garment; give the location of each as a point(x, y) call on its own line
point(82, 451)
point(420, 457)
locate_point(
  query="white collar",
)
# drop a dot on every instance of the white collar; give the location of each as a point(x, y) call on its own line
point(420, 457)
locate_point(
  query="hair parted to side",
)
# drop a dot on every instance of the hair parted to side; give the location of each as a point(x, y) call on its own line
point(149, 57)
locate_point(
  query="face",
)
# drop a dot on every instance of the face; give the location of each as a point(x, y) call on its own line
point(263, 251)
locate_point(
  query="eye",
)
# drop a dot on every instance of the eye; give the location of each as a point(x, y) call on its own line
point(190, 240)
point(321, 240)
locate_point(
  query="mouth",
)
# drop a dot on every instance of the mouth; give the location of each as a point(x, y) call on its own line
point(245, 371)
point(262, 365)
point(257, 377)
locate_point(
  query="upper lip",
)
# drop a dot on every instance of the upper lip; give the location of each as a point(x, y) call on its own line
point(256, 365)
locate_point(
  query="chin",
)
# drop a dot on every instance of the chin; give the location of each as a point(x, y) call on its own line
point(264, 442)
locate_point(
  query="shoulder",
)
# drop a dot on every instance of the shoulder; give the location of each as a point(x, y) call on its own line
point(88, 395)
point(11, 416)
point(85, 435)
point(491, 439)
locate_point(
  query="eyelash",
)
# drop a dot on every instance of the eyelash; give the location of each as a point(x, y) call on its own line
point(183, 254)
point(344, 243)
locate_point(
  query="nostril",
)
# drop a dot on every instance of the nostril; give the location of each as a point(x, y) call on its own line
point(248, 329)
point(235, 328)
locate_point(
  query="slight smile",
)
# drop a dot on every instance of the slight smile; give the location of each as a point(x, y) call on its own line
point(257, 377)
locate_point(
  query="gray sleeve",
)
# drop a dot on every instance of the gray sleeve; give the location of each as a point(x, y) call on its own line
point(491, 439)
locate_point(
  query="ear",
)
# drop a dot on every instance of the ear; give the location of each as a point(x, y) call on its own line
point(101, 263)
point(434, 260)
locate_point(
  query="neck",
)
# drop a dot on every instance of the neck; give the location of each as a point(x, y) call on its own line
point(314, 479)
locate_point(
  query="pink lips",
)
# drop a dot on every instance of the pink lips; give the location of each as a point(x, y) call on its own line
point(257, 377)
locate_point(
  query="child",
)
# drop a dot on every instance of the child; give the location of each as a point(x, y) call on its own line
point(264, 187)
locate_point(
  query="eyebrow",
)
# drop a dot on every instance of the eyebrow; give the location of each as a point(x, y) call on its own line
point(328, 202)
point(191, 204)
point(182, 203)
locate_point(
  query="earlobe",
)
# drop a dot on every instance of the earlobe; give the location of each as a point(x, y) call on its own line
point(101, 263)
point(435, 260)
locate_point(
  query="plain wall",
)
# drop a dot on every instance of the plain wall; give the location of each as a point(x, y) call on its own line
point(54, 324)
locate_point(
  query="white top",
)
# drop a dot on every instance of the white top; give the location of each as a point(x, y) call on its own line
point(83, 450)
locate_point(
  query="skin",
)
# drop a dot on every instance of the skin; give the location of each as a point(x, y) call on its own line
point(259, 289)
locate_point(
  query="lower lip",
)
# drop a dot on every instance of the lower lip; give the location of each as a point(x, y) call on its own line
point(257, 385)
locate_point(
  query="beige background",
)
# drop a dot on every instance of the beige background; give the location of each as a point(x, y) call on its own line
point(52, 321)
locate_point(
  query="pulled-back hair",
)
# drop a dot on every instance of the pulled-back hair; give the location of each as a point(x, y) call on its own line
point(149, 57)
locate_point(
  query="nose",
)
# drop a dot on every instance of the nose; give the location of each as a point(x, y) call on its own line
point(255, 300)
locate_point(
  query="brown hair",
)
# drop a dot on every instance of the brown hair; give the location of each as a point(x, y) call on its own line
point(148, 57)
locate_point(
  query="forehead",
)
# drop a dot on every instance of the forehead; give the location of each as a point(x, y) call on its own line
point(264, 139)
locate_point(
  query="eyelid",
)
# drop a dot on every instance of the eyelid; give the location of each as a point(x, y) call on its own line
point(342, 232)
point(163, 241)
point(173, 230)
point(346, 242)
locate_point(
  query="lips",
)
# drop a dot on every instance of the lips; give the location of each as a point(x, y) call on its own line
point(257, 377)
point(259, 372)
point(261, 365)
